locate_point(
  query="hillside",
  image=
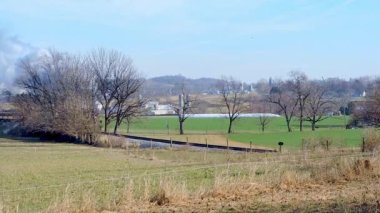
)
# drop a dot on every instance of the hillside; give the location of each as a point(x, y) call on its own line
point(172, 85)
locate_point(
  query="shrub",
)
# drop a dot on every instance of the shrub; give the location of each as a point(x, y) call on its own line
point(112, 142)
point(372, 140)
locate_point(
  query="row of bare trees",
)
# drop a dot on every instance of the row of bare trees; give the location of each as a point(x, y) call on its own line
point(302, 98)
point(233, 102)
point(61, 91)
point(295, 97)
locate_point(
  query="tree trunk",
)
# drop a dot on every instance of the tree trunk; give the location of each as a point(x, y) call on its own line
point(262, 127)
point(105, 125)
point(181, 127)
point(105, 121)
point(117, 123)
point(230, 126)
point(288, 124)
point(301, 121)
point(128, 125)
point(313, 122)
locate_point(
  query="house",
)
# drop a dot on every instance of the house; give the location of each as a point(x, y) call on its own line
point(154, 108)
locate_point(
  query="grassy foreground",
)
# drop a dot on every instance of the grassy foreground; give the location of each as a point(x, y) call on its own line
point(59, 177)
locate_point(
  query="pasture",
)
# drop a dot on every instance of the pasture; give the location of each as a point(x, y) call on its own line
point(59, 177)
point(248, 129)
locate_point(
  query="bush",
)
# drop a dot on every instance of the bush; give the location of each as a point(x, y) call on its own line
point(112, 142)
point(372, 140)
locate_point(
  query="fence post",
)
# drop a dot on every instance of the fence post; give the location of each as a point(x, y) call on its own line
point(151, 144)
point(205, 155)
point(363, 144)
point(327, 145)
point(250, 146)
point(228, 154)
point(171, 143)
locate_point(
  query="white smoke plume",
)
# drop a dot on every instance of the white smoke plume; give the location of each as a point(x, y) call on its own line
point(12, 50)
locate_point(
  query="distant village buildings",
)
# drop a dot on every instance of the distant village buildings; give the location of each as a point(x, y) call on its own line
point(155, 108)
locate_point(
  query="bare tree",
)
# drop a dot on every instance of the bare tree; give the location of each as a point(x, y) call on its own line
point(318, 104)
point(282, 97)
point(298, 83)
point(117, 84)
point(129, 104)
point(263, 108)
point(264, 119)
point(103, 64)
point(185, 108)
point(58, 96)
point(232, 97)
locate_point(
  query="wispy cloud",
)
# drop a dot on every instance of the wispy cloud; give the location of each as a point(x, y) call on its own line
point(11, 50)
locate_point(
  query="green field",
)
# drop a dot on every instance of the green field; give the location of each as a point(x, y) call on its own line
point(160, 124)
point(293, 140)
point(248, 129)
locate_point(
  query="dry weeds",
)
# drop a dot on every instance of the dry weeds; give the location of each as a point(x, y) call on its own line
point(346, 184)
point(372, 140)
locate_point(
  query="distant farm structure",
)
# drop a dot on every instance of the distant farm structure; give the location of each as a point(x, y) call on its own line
point(155, 108)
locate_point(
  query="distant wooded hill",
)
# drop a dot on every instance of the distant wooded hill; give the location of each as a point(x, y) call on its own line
point(173, 84)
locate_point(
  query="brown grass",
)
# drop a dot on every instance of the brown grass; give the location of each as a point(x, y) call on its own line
point(111, 141)
point(372, 140)
point(343, 185)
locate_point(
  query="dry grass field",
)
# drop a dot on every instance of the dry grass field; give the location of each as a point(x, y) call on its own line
point(57, 177)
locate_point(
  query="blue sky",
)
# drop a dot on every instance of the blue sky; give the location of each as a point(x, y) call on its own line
point(248, 39)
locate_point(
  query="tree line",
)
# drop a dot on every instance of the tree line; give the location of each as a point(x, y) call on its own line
point(61, 93)
point(302, 98)
point(80, 96)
